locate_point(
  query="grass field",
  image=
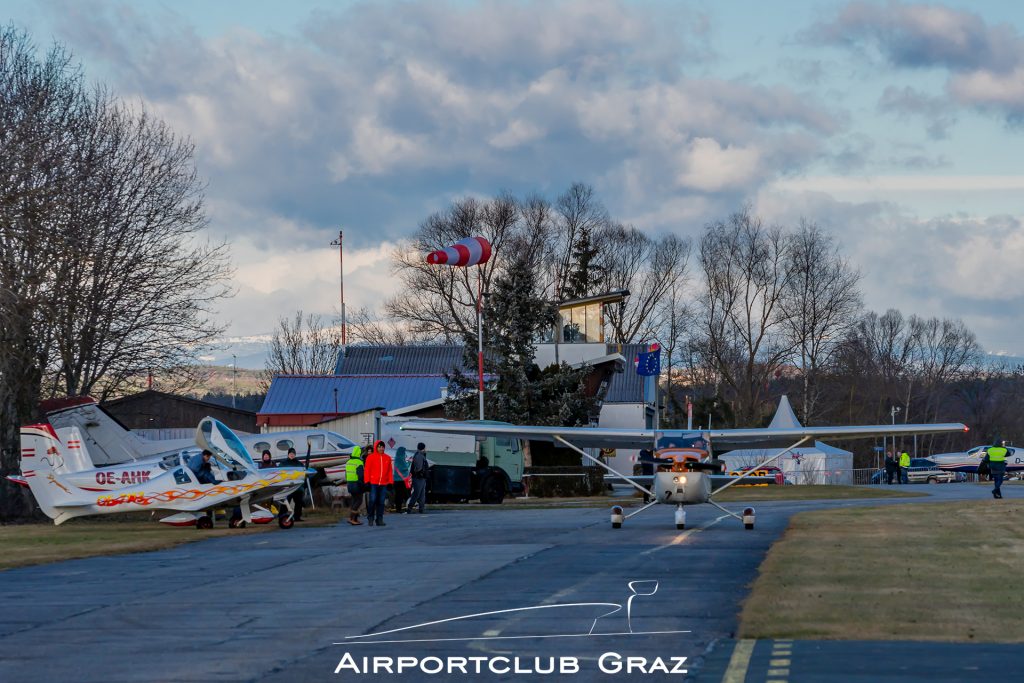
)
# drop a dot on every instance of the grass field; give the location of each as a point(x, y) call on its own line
point(943, 571)
point(812, 492)
point(29, 544)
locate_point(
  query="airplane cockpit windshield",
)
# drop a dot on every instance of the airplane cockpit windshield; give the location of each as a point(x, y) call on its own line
point(682, 440)
point(226, 446)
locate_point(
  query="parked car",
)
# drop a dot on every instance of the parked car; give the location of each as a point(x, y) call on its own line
point(925, 471)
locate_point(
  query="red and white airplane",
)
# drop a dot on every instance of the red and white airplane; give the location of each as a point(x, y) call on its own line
point(66, 484)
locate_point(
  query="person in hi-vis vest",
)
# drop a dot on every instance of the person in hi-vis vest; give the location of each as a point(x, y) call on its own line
point(904, 467)
point(996, 457)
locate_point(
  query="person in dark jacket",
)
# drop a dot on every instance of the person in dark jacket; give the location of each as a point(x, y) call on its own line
point(418, 470)
point(891, 467)
point(200, 466)
point(266, 460)
point(298, 498)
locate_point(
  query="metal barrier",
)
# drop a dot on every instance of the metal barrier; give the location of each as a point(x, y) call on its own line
point(856, 477)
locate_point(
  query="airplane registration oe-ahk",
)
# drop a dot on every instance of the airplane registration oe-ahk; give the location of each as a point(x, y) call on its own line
point(66, 484)
point(694, 476)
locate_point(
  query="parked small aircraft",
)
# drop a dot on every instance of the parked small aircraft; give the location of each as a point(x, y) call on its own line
point(111, 443)
point(66, 484)
point(687, 480)
point(969, 461)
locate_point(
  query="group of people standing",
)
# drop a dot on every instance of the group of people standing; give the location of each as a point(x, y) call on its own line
point(372, 476)
point(897, 467)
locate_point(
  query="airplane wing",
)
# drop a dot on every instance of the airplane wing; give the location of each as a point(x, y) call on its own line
point(722, 439)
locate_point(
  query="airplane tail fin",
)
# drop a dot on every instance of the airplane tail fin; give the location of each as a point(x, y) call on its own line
point(43, 458)
point(76, 456)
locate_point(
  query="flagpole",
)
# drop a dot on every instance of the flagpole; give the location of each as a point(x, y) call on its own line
point(480, 335)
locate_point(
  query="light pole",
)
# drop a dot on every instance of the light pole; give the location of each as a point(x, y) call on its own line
point(892, 412)
point(341, 279)
point(234, 371)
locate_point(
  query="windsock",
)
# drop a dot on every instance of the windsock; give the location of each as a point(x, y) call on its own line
point(468, 252)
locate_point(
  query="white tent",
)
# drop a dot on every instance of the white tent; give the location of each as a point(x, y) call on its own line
point(818, 464)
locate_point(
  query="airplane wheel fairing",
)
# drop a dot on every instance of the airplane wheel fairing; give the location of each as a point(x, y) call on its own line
point(285, 521)
point(204, 522)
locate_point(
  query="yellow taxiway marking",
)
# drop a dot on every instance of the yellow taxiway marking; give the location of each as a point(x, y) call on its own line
point(736, 672)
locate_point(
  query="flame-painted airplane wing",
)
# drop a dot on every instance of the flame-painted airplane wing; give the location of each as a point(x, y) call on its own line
point(722, 439)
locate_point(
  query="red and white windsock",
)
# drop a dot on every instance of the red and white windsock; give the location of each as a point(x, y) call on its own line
point(471, 251)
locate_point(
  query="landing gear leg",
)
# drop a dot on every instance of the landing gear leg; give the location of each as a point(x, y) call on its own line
point(286, 518)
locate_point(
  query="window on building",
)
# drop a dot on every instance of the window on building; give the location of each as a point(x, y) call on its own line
point(582, 324)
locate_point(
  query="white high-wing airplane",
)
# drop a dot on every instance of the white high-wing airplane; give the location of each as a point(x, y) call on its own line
point(688, 481)
point(970, 459)
point(111, 443)
point(63, 480)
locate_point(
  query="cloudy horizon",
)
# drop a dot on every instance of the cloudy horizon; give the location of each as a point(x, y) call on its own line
point(895, 126)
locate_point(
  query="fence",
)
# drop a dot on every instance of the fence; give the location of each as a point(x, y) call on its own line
point(858, 477)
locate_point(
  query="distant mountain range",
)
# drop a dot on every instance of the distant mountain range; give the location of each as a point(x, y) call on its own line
point(251, 351)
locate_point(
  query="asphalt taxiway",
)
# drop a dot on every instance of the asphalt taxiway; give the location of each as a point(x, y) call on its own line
point(289, 605)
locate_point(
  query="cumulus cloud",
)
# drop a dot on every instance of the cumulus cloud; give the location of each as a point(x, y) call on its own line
point(986, 62)
point(939, 266)
point(909, 101)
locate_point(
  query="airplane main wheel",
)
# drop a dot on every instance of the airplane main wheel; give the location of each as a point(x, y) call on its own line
point(204, 522)
point(616, 525)
point(285, 521)
point(680, 526)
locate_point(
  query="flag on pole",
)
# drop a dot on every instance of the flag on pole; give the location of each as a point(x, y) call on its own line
point(649, 364)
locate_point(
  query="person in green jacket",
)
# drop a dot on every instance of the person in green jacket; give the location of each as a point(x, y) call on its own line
point(354, 481)
point(904, 467)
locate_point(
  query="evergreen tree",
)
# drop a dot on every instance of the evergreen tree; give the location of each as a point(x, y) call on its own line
point(517, 316)
point(583, 271)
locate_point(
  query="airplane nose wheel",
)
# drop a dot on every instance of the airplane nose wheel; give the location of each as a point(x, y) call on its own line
point(748, 518)
point(680, 517)
point(285, 520)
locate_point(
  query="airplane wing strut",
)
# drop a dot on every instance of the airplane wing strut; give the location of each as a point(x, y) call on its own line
point(588, 456)
point(763, 464)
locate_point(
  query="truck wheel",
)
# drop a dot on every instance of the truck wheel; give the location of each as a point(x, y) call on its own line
point(492, 491)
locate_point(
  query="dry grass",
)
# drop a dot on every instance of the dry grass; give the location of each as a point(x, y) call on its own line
point(943, 571)
point(811, 492)
point(29, 544)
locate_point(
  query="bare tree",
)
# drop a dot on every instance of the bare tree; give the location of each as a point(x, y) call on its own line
point(580, 220)
point(441, 302)
point(303, 345)
point(649, 268)
point(820, 306)
point(137, 282)
point(742, 319)
point(366, 327)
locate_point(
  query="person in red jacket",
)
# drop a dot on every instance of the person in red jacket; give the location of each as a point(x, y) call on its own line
point(378, 474)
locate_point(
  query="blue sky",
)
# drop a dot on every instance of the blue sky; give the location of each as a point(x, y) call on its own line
point(897, 126)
